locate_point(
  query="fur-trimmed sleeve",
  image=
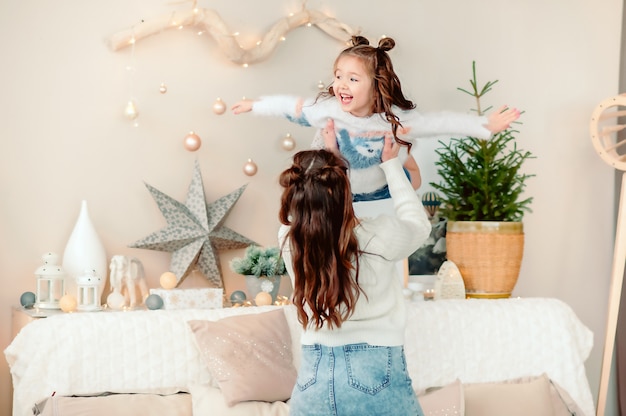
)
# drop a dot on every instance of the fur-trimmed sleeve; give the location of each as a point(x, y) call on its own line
point(443, 124)
point(304, 111)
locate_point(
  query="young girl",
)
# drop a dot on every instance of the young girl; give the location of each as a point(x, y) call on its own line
point(347, 297)
point(367, 104)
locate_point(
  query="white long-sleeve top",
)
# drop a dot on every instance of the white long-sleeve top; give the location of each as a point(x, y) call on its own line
point(361, 139)
point(379, 316)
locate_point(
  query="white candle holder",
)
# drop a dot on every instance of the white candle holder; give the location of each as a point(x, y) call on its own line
point(50, 282)
point(88, 291)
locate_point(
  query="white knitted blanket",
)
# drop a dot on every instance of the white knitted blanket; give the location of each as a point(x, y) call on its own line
point(153, 351)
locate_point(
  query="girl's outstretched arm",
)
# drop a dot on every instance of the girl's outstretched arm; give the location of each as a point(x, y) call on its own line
point(243, 106)
point(501, 119)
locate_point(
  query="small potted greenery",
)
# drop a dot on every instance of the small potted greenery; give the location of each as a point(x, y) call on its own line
point(481, 190)
point(262, 268)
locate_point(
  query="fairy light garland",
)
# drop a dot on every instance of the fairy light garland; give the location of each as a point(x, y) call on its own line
point(130, 111)
point(209, 21)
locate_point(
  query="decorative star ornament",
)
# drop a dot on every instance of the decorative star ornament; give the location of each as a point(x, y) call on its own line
point(195, 232)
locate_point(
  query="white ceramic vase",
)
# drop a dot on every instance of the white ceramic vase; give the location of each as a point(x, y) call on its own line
point(84, 251)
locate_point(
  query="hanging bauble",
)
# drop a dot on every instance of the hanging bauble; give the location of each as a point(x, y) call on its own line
point(219, 106)
point(288, 143)
point(163, 88)
point(130, 111)
point(320, 85)
point(192, 142)
point(84, 251)
point(250, 168)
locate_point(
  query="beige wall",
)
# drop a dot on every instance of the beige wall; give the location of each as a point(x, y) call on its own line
point(64, 139)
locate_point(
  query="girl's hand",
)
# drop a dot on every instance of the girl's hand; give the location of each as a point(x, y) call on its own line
point(390, 149)
point(501, 119)
point(330, 136)
point(242, 106)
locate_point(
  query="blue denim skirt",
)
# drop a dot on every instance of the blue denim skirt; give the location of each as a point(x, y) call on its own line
point(356, 379)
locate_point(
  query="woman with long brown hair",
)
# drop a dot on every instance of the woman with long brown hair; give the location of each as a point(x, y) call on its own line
point(346, 287)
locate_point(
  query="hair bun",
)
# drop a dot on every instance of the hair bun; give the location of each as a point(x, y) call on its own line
point(386, 44)
point(359, 40)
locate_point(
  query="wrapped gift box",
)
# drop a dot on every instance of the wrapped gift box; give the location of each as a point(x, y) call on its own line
point(205, 298)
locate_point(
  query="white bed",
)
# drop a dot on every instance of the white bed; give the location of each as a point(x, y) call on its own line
point(475, 341)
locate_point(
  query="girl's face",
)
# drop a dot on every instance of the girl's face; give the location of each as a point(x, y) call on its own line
point(353, 86)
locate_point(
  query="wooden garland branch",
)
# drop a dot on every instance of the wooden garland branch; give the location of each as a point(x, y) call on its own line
point(210, 21)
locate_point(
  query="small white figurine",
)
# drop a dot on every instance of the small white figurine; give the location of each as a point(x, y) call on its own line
point(126, 275)
point(449, 283)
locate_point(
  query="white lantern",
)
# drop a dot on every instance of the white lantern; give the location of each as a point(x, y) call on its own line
point(50, 282)
point(88, 291)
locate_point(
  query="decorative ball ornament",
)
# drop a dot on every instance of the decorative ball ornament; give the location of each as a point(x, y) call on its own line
point(288, 142)
point(431, 201)
point(192, 142)
point(320, 85)
point(219, 107)
point(168, 280)
point(116, 301)
point(68, 303)
point(28, 299)
point(154, 302)
point(163, 88)
point(130, 111)
point(263, 299)
point(237, 297)
point(250, 168)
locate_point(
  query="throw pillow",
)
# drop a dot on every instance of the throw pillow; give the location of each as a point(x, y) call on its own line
point(116, 404)
point(249, 355)
point(512, 398)
point(444, 401)
point(209, 400)
point(563, 403)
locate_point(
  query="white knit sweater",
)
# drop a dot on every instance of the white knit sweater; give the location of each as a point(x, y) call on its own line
point(379, 317)
point(361, 138)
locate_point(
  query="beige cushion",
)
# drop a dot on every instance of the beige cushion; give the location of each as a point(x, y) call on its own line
point(511, 399)
point(118, 405)
point(445, 401)
point(536, 395)
point(208, 400)
point(249, 355)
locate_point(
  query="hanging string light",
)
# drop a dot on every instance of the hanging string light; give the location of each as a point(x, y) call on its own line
point(130, 111)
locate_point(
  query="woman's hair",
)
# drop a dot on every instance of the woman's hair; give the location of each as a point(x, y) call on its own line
point(387, 88)
point(317, 205)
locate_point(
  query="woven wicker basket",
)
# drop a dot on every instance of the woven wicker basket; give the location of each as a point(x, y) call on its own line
point(488, 255)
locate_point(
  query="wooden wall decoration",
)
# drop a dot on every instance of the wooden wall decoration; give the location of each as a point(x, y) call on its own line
point(604, 128)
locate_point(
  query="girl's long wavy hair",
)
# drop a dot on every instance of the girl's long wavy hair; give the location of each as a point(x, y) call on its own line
point(387, 88)
point(317, 205)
